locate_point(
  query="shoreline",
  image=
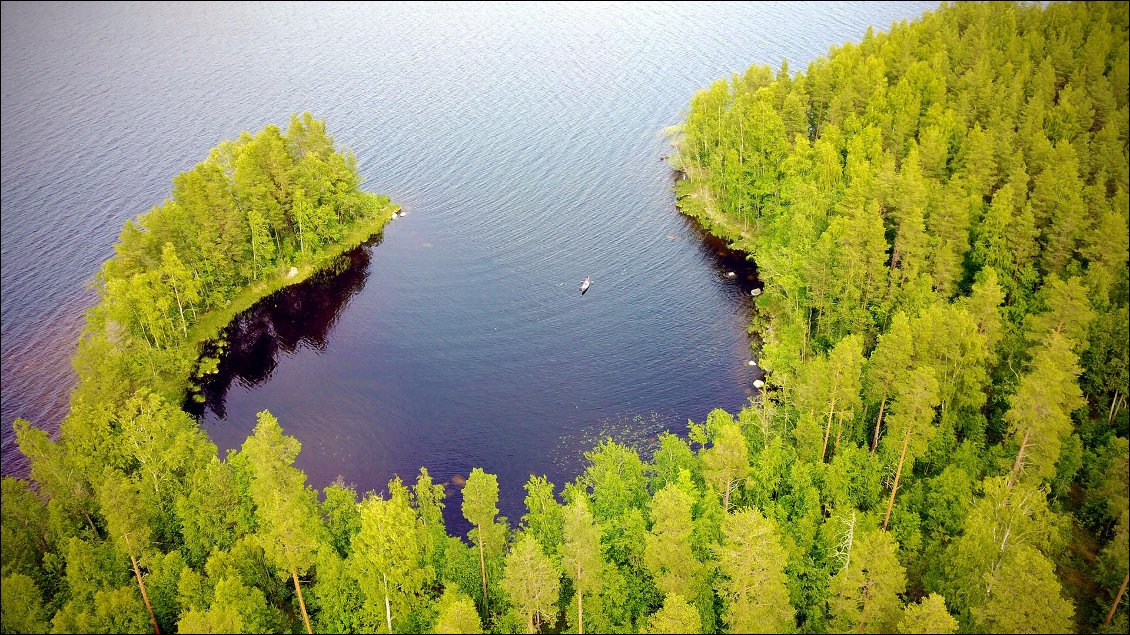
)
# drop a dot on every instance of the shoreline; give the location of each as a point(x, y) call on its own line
point(207, 332)
point(693, 200)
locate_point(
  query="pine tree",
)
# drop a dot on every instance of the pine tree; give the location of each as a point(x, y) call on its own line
point(1040, 410)
point(480, 506)
point(912, 416)
point(888, 367)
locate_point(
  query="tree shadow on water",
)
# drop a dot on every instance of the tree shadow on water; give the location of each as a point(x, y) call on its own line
point(300, 315)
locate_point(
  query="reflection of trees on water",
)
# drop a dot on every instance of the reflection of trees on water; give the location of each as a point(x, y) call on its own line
point(299, 315)
point(723, 259)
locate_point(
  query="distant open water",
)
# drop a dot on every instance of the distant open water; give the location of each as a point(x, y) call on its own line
point(523, 139)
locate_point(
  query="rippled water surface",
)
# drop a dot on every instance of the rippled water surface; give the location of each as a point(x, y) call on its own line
point(524, 141)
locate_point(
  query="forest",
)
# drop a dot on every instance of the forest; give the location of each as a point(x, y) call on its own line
point(940, 217)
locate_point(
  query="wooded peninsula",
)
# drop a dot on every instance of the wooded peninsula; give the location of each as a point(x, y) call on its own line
point(940, 217)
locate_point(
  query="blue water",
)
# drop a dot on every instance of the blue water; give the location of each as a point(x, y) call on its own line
point(524, 140)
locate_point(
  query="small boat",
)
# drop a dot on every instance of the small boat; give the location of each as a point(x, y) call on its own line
point(585, 284)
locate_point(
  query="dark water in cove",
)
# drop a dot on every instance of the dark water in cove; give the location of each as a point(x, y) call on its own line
point(523, 140)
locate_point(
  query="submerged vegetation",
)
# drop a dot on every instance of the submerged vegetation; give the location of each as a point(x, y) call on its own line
point(940, 215)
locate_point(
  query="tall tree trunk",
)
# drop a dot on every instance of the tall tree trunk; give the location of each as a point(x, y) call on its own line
point(483, 568)
point(90, 521)
point(878, 424)
point(839, 432)
point(1018, 465)
point(741, 136)
point(388, 606)
point(301, 601)
point(580, 606)
point(144, 595)
point(254, 255)
point(726, 498)
point(827, 431)
point(898, 474)
point(180, 307)
point(1117, 599)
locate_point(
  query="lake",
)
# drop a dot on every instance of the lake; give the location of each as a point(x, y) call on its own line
point(523, 140)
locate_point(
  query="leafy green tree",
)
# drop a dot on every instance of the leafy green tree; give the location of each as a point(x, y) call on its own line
point(428, 500)
point(533, 583)
point(727, 460)
point(1068, 312)
point(667, 551)
point(1024, 573)
point(676, 616)
point(263, 249)
point(163, 584)
point(387, 554)
point(928, 616)
point(186, 289)
point(214, 510)
point(337, 602)
point(457, 614)
point(168, 446)
point(830, 386)
point(1003, 519)
point(672, 457)
point(341, 515)
point(112, 610)
point(23, 528)
point(235, 608)
point(289, 528)
point(865, 593)
point(22, 606)
point(544, 518)
point(52, 472)
point(888, 367)
point(580, 554)
point(124, 510)
point(616, 476)
point(753, 587)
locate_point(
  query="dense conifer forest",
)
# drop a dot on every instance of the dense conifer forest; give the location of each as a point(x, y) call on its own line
point(939, 214)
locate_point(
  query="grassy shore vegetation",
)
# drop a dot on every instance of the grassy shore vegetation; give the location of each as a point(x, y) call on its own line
point(940, 216)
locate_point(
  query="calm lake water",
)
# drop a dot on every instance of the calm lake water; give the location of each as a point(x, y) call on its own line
point(524, 141)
